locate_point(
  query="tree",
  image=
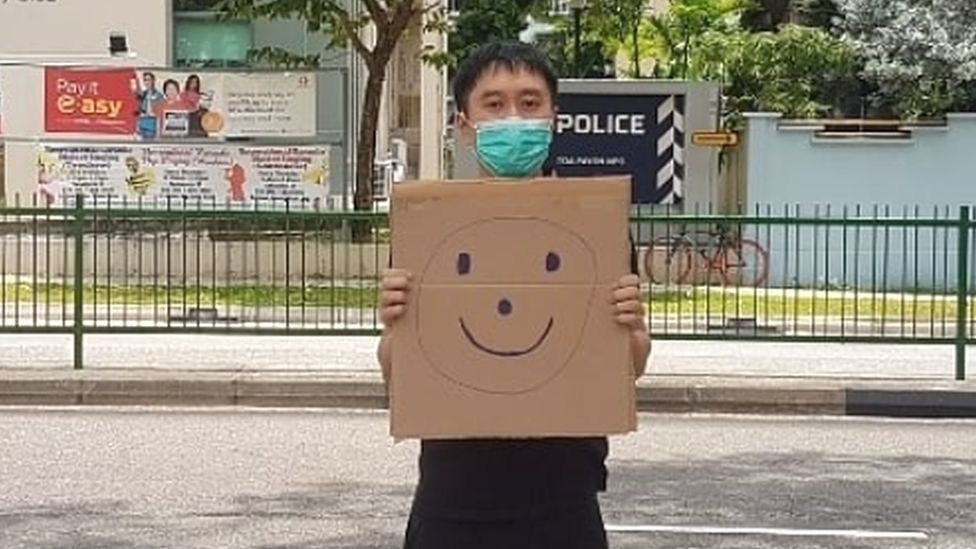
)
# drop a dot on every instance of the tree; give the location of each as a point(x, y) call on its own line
point(342, 26)
point(595, 55)
point(678, 32)
point(767, 15)
point(823, 14)
point(481, 21)
point(921, 54)
point(800, 72)
point(619, 21)
point(770, 15)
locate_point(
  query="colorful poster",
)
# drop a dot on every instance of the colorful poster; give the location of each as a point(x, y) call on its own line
point(184, 176)
point(96, 101)
point(179, 104)
point(164, 104)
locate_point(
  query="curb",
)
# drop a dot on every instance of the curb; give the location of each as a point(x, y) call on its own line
point(365, 390)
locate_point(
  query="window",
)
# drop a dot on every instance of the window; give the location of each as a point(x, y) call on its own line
point(194, 5)
point(204, 42)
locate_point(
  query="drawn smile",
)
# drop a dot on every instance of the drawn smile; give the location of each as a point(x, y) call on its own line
point(507, 354)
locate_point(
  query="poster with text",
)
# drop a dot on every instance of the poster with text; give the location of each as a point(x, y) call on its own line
point(184, 176)
point(96, 101)
point(164, 104)
point(270, 104)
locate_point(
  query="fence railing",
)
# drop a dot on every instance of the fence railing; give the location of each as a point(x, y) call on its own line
point(817, 276)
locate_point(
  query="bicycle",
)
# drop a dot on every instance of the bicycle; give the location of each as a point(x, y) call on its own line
point(740, 261)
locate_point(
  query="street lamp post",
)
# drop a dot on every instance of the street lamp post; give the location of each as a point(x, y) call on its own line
point(577, 7)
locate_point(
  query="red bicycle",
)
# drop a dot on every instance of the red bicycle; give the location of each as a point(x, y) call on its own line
point(684, 257)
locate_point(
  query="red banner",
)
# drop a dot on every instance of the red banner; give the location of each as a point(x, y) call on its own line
point(90, 101)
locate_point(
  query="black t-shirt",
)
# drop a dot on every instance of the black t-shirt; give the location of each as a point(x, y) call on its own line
point(497, 479)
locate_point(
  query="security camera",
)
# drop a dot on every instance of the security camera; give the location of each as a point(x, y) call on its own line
point(117, 44)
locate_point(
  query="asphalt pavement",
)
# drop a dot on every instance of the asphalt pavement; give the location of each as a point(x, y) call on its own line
point(86, 478)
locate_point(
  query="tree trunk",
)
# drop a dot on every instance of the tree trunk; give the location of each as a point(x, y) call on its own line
point(369, 120)
point(636, 39)
point(366, 141)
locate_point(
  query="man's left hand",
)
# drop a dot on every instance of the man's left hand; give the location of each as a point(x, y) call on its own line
point(628, 307)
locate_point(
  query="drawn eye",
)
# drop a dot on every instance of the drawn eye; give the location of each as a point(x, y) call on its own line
point(464, 263)
point(552, 262)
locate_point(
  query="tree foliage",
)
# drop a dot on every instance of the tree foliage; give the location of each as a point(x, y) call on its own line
point(481, 21)
point(770, 15)
point(799, 71)
point(619, 22)
point(677, 33)
point(920, 54)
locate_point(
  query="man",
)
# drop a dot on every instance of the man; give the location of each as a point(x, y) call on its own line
point(511, 494)
point(148, 97)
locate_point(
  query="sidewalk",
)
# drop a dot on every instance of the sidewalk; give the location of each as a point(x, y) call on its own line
point(708, 377)
point(661, 394)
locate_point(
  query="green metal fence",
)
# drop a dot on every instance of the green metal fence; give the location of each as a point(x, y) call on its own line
point(814, 275)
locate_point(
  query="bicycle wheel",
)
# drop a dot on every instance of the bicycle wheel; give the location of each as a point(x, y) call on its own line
point(745, 263)
point(669, 260)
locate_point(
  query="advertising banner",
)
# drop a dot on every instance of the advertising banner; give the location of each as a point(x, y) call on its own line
point(615, 134)
point(89, 101)
point(164, 104)
point(183, 176)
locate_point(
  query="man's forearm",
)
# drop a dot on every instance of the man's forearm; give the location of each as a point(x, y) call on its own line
point(640, 346)
point(384, 353)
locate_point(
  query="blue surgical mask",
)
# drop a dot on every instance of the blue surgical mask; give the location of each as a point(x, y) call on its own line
point(513, 147)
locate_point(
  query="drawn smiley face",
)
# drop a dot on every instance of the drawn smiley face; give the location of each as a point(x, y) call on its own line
point(511, 297)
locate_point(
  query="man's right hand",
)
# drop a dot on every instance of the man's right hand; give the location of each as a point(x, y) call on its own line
point(394, 291)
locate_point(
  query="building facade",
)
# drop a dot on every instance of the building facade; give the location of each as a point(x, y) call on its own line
point(188, 34)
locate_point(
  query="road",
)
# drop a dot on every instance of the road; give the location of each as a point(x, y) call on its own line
point(150, 478)
point(357, 353)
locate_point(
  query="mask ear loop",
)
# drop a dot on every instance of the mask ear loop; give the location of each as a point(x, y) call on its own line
point(463, 120)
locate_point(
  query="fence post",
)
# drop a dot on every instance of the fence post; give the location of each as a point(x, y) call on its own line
point(962, 297)
point(79, 282)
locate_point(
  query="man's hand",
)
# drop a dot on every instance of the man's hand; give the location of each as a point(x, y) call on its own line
point(628, 307)
point(628, 310)
point(394, 291)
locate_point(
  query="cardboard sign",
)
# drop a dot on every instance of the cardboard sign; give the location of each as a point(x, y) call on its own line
point(510, 329)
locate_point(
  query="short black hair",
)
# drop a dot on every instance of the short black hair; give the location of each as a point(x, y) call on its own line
point(509, 55)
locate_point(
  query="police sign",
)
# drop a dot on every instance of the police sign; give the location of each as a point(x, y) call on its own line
point(613, 134)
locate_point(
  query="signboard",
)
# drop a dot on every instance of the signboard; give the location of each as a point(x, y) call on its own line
point(175, 175)
point(89, 101)
point(715, 139)
point(617, 134)
point(155, 104)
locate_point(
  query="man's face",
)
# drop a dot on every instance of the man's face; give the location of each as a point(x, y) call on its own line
point(501, 93)
point(150, 81)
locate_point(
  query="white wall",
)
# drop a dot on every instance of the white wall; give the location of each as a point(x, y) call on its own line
point(64, 30)
point(930, 172)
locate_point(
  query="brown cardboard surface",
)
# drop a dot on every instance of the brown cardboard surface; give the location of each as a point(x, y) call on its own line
point(510, 329)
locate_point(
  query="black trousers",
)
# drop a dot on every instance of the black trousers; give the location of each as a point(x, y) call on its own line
point(572, 527)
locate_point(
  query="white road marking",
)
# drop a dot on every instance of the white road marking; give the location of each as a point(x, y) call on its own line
point(779, 532)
